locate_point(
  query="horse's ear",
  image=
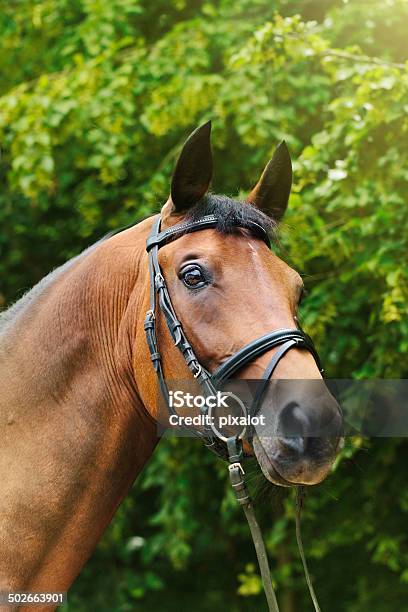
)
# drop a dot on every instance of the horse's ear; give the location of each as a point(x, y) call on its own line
point(271, 193)
point(193, 172)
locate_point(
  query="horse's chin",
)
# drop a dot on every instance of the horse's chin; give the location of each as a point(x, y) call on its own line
point(272, 474)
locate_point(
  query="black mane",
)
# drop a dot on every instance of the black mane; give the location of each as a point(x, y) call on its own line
point(231, 213)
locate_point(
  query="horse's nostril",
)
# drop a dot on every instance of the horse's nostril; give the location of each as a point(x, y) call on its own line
point(293, 444)
point(294, 427)
point(293, 422)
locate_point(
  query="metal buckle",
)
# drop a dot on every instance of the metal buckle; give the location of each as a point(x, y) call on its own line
point(159, 281)
point(199, 370)
point(233, 466)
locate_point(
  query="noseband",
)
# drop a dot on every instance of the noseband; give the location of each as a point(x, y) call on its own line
point(285, 339)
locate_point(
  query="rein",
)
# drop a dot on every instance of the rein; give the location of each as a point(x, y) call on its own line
point(227, 448)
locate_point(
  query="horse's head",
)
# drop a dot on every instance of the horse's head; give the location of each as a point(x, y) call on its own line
point(228, 289)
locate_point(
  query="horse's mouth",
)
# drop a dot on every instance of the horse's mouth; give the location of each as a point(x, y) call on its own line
point(272, 473)
point(267, 467)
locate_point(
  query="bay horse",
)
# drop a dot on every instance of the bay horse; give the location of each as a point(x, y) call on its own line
point(78, 400)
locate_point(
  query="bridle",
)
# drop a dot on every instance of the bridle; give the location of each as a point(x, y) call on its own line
point(285, 339)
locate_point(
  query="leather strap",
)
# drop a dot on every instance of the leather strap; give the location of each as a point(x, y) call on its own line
point(268, 373)
point(160, 238)
point(261, 345)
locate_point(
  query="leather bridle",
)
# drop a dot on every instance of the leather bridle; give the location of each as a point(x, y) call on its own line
point(226, 448)
point(285, 339)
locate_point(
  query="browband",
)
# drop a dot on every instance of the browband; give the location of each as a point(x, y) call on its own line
point(206, 222)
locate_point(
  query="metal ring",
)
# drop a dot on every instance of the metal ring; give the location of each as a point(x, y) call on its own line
point(244, 411)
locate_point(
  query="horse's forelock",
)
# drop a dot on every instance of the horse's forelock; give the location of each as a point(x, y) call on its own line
point(231, 213)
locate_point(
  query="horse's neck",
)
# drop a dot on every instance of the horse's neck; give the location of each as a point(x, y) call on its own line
point(73, 435)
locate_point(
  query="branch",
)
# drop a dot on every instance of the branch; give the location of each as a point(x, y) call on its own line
point(364, 59)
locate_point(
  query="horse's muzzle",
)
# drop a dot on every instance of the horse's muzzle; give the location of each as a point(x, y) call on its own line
point(301, 444)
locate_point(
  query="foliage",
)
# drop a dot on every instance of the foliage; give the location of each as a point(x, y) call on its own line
point(95, 99)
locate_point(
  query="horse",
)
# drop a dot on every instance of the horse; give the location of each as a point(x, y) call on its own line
point(78, 393)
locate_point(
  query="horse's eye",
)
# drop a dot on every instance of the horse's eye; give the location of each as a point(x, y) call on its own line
point(192, 277)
